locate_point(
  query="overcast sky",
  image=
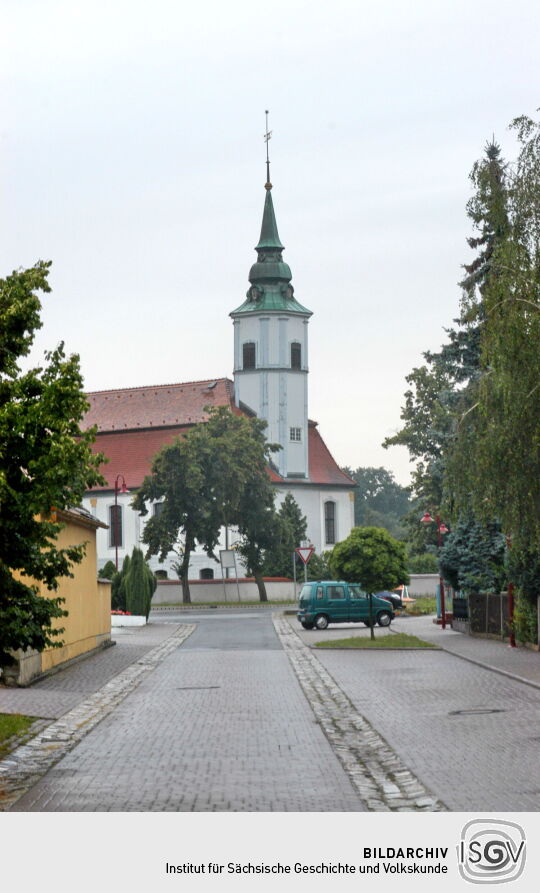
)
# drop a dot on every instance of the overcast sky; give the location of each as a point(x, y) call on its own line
point(132, 149)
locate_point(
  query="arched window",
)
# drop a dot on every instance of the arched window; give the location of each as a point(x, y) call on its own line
point(116, 529)
point(248, 355)
point(330, 522)
point(206, 573)
point(296, 355)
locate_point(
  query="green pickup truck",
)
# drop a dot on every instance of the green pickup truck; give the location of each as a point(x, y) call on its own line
point(330, 601)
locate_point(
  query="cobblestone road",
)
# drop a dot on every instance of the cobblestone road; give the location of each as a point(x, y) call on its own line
point(210, 729)
point(221, 724)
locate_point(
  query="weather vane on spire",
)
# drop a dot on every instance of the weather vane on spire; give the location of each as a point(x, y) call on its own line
point(267, 138)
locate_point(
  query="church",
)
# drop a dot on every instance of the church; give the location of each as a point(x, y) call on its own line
point(270, 380)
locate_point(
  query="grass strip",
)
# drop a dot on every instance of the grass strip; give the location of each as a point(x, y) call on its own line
point(11, 725)
point(423, 604)
point(392, 640)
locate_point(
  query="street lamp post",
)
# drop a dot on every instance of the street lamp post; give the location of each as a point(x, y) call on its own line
point(441, 529)
point(117, 489)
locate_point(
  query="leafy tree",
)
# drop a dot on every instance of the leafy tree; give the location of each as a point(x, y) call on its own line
point(525, 619)
point(318, 567)
point(261, 532)
point(202, 479)
point(379, 501)
point(523, 566)
point(292, 532)
point(372, 557)
point(424, 563)
point(45, 462)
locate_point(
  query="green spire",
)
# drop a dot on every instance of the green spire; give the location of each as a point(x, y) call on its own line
point(269, 232)
point(270, 276)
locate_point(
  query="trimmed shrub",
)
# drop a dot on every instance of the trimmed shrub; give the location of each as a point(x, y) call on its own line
point(140, 585)
point(108, 571)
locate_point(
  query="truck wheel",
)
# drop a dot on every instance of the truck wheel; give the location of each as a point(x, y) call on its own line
point(321, 621)
point(307, 625)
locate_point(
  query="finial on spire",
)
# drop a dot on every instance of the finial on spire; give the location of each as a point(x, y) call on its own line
point(267, 138)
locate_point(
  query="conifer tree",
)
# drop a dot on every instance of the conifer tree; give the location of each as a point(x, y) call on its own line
point(118, 586)
point(139, 583)
point(290, 533)
point(497, 452)
point(439, 405)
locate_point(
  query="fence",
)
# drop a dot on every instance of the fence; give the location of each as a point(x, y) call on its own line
point(487, 613)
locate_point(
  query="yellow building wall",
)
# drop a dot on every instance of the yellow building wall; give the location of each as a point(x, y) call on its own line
point(88, 602)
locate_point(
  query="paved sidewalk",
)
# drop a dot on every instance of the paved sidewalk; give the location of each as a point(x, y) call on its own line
point(56, 694)
point(517, 663)
point(21, 769)
point(468, 728)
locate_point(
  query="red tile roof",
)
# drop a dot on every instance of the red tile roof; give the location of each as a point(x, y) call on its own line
point(156, 406)
point(323, 468)
point(134, 423)
point(130, 453)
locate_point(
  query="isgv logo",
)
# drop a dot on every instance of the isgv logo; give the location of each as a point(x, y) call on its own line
point(491, 851)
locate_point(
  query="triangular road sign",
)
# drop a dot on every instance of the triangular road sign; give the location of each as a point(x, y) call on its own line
point(305, 553)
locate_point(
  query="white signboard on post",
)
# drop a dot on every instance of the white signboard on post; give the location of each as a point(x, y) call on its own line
point(227, 558)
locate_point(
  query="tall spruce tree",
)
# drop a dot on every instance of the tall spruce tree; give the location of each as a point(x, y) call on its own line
point(497, 451)
point(290, 533)
point(439, 406)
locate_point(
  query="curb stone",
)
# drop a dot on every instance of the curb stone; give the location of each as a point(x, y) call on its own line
point(23, 767)
point(379, 775)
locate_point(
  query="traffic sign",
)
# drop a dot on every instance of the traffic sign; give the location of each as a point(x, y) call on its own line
point(305, 553)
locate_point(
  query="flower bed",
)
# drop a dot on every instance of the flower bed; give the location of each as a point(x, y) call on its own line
point(125, 618)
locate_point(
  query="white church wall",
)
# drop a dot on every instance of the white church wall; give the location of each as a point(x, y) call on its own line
point(99, 506)
point(311, 501)
point(133, 526)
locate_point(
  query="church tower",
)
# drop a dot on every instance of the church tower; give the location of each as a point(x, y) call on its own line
point(271, 350)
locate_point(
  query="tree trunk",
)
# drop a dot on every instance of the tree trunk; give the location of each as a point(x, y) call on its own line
point(184, 569)
point(371, 620)
point(261, 587)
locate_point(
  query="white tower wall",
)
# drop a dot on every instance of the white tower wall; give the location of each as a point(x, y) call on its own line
point(274, 390)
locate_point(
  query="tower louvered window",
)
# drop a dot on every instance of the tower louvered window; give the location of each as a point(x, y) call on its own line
point(296, 355)
point(248, 355)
